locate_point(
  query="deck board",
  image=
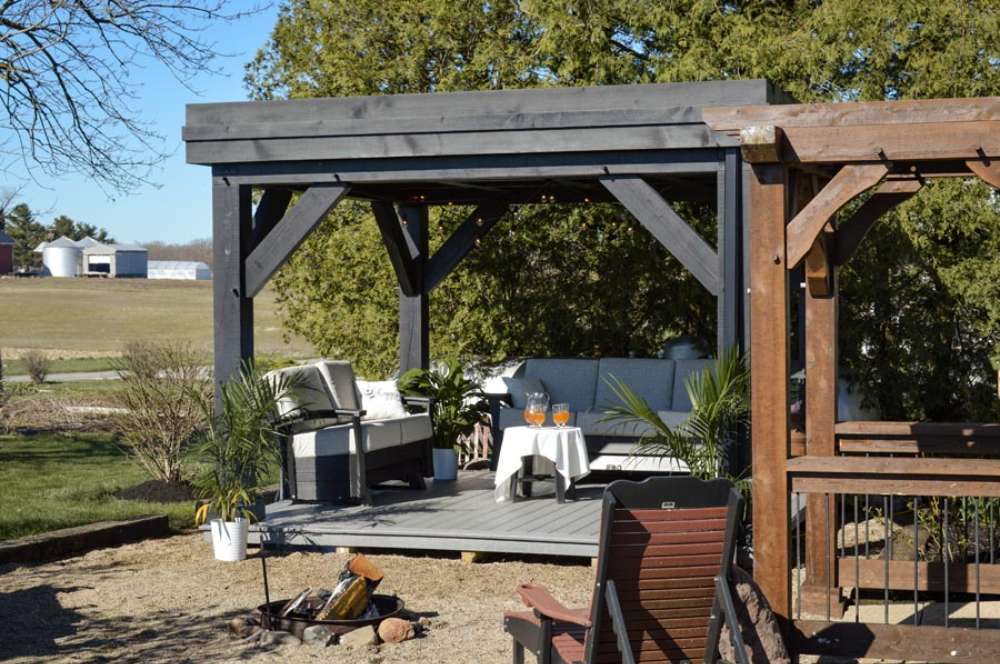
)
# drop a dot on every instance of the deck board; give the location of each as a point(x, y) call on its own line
point(450, 516)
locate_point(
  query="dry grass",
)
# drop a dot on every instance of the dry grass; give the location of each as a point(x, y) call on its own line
point(90, 317)
point(168, 601)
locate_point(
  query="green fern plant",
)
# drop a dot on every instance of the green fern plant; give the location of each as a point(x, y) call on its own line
point(720, 404)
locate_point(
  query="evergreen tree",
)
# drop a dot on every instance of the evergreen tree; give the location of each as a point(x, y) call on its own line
point(27, 233)
point(921, 308)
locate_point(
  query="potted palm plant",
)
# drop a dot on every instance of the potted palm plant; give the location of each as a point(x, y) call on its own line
point(240, 451)
point(719, 405)
point(457, 405)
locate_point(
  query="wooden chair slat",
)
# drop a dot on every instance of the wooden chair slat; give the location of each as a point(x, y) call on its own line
point(691, 514)
point(669, 526)
point(666, 550)
point(638, 538)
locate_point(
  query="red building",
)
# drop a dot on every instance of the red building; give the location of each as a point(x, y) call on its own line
point(6, 254)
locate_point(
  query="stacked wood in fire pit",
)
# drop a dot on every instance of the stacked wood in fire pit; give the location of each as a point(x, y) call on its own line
point(350, 599)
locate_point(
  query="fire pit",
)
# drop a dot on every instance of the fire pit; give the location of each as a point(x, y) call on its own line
point(385, 606)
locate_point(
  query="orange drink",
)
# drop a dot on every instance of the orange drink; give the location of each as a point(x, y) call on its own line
point(560, 414)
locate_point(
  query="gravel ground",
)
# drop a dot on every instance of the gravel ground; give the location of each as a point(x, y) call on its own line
point(169, 601)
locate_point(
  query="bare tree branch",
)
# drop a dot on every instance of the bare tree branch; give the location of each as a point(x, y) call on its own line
point(66, 89)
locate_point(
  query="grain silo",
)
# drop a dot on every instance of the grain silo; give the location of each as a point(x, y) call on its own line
point(62, 258)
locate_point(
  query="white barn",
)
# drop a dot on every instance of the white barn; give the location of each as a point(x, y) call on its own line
point(189, 270)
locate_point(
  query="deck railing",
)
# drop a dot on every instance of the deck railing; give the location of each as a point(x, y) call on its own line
point(903, 527)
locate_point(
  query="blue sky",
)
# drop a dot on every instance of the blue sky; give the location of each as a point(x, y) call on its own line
point(180, 209)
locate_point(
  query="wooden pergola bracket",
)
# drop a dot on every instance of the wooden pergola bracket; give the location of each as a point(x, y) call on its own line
point(646, 205)
point(276, 247)
point(851, 232)
point(461, 242)
point(271, 208)
point(805, 228)
point(819, 265)
point(401, 248)
point(988, 170)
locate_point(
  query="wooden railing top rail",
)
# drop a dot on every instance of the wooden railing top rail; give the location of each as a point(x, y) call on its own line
point(919, 429)
point(895, 476)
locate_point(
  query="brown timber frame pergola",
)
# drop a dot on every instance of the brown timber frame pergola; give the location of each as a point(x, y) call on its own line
point(808, 162)
point(640, 145)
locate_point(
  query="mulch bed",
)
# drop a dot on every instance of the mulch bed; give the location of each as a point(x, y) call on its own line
point(157, 491)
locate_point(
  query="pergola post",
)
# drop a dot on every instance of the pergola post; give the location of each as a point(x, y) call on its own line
point(821, 592)
point(232, 227)
point(770, 382)
point(730, 216)
point(414, 312)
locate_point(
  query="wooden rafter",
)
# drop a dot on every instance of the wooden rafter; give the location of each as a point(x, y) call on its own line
point(851, 232)
point(646, 205)
point(461, 242)
point(805, 228)
point(276, 247)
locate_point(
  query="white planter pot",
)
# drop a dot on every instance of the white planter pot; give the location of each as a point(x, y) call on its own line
point(229, 539)
point(445, 465)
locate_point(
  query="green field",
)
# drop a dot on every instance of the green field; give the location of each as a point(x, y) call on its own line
point(55, 481)
point(73, 318)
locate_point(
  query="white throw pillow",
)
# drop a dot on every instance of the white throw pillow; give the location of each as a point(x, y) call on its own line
point(520, 388)
point(380, 399)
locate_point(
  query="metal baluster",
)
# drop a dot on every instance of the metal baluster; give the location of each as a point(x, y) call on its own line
point(798, 552)
point(868, 518)
point(857, 565)
point(916, 557)
point(841, 526)
point(886, 553)
point(829, 562)
point(976, 516)
point(992, 505)
point(945, 555)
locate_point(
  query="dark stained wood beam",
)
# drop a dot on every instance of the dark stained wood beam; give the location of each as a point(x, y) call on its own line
point(232, 304)
point(987, 170)
point(402, 250)
point(461, 242)
point(646, 205)
point(275, 248)
point(271, 208)
point(849, 181)
point(850, 233)
point(414, 310)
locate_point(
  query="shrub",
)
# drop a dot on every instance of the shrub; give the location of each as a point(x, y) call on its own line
point(38, 366)
point(164, 387)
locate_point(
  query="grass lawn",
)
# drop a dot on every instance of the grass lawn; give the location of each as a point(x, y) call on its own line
point(50, 481)
point(93, 317)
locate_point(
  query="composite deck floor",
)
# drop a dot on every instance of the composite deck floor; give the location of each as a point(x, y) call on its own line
point(448, 516)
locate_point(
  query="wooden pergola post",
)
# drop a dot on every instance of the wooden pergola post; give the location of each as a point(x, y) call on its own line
point(232, 227)
point(769, 382)
point(414, 310)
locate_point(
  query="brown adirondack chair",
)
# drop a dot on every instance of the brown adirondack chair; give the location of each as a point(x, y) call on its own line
point(666, 550)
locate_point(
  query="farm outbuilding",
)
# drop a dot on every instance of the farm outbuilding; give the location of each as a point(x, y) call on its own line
point(184, 270)
point(6, 253)
point(116, 260)
point(61, 257)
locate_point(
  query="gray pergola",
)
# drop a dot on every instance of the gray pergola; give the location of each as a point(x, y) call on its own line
point(643, 146)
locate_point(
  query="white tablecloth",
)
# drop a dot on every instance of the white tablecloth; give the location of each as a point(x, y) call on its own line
point(564, 447)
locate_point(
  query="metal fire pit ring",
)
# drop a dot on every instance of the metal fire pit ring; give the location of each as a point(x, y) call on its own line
point(388, 606)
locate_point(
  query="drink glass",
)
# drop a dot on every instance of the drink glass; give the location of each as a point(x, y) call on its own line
point(534, 414)
point(560, 414)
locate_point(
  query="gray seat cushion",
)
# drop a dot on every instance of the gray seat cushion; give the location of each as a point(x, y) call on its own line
point(591, 424)
point(566, 381)
point(414, 428)
point(651, 379)
point(340, 384)
point(681, 401)
point(339, 439)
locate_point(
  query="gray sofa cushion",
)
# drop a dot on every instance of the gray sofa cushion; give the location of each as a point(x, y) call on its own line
point(337, 440)
point(339, 378)
point(519, 388)
point(651, 379)
point(566, 381)
point(591, 424)
point(415, 427)
point(685, 368)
